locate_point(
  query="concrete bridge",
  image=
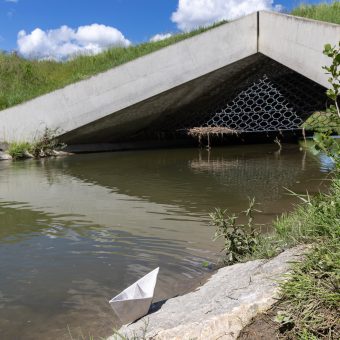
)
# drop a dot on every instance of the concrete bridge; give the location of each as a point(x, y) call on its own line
point(262, 72)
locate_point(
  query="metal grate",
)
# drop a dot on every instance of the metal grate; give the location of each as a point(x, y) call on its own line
point(265, 106)
point(278, 99)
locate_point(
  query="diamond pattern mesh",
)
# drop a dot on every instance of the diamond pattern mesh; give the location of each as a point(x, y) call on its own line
point(268, 104)
point(264, 106)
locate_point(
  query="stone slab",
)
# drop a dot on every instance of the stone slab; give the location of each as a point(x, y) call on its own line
point(222, 306)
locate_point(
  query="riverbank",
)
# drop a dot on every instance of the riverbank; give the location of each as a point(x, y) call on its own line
point(221, 307)
point(45, 146)
point(308, 301)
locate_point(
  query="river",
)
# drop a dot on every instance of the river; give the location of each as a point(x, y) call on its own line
point(75, 231)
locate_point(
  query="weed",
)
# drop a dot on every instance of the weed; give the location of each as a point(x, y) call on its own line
point(240, 240)
point(19, 150)
point(43, 147)
point(46, 144)
point(310, 299)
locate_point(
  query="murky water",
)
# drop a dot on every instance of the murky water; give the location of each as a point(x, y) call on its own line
point(75, 231)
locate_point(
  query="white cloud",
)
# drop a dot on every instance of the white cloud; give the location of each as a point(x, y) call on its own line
point(159, 37)
point(65, 42)
point(191, 14)
point(13, 1)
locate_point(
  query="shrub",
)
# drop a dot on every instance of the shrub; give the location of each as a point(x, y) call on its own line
point(240, 240)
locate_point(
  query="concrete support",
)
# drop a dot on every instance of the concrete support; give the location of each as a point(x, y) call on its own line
point(126, 98)
point(297, 43)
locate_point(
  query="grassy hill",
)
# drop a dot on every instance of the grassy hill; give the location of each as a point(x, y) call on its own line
point(21, 79)
point(323, 12)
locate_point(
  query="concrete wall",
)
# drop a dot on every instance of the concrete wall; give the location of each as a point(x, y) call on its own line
point(297, 43)
point(89, 100)
point(102, 100)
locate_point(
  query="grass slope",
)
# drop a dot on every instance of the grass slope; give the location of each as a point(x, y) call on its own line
point(329, 12)
point(22, 79)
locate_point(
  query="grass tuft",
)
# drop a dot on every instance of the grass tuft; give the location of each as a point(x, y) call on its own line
point(329, 12)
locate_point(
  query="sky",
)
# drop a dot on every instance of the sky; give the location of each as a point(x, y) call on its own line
point(58, 29)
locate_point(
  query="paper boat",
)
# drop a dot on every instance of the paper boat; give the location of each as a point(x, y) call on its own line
point(134, 302)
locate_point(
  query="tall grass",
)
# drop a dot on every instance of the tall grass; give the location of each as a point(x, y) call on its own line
point(309, 304)
point(22, 79)
point(329, 12)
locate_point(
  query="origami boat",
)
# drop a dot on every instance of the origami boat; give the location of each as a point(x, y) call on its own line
point(134, 302)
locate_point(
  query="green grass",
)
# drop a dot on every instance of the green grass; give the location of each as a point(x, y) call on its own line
point(309, 304)
point(18, 150)
point(310, 300)
point(329, 12)
point(23, 79)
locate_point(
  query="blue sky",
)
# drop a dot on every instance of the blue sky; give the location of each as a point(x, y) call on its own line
point(136, 20)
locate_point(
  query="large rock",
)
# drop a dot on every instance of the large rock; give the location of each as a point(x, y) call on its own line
point(221, 307)
point(4, 156)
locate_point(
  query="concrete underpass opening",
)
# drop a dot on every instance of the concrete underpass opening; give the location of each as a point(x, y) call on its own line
point(253, 96)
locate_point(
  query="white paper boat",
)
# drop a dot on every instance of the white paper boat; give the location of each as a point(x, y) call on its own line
point(134, 302)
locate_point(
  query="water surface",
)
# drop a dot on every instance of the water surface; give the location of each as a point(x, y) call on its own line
point(75, 231)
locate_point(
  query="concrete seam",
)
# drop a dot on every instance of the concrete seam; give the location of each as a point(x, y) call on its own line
point(258, 31)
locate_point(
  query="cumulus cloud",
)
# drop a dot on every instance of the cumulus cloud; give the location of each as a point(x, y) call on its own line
point(159, 37)
point(191, 14)
point(65, 42)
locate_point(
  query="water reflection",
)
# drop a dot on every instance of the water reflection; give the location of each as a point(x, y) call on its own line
point(75, 231)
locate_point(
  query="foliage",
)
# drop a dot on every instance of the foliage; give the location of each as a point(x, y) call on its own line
point(334, 71)
point(46, 144)
point(19, 150)
point(239, 239)
point(23, 79)
point(322, 137)
point(324, 11)
point(42, 147)
point(310, 299)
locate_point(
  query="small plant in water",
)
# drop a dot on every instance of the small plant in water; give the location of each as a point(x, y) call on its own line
point(240, 240)
point(44, 146)
point(47, 144)
point(19, 150)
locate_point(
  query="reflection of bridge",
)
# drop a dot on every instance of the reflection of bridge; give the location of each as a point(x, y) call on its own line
point(259, 73)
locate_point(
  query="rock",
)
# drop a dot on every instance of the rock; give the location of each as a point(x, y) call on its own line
point(27, 154)
point(58, 153)
point(4, 156)
point(3, 146)
point(222, 306)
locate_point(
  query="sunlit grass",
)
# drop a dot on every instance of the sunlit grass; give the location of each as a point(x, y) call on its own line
point(329, 12)
point(22, 79)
